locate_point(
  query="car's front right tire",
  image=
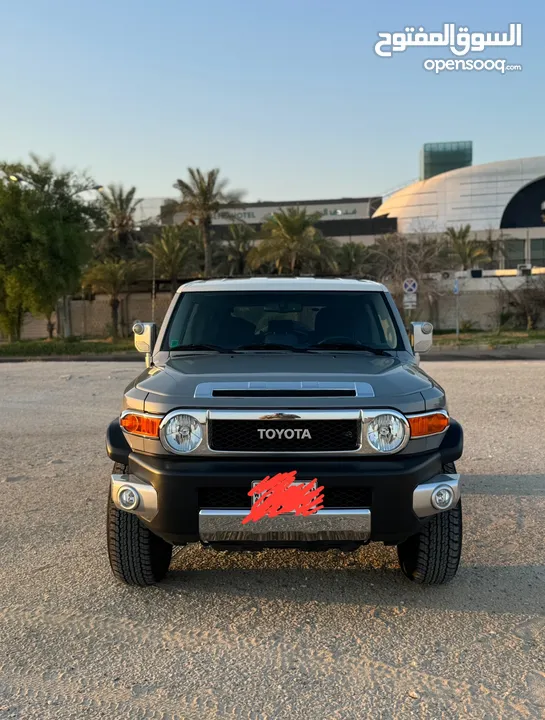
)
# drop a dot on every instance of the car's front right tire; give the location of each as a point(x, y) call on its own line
point(432, 556)
point(137, 556)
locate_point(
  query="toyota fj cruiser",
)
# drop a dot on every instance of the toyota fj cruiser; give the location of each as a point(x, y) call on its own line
point(252, 378)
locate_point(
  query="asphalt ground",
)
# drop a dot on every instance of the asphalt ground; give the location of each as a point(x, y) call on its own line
point(279, 634)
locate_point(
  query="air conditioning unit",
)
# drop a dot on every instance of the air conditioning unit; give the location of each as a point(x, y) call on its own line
point(445, 275)
point(525, 269)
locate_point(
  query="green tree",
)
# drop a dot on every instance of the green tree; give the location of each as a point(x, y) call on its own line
point(323, 260)
point(204, 195)
point(14, 238)
point(13, 304)
point(174, 253)
point(290, 241)
point(353, 258)
point(113, 278)
point(119, 241)
point(233, 254)
point(466, 251)
point(44, 233)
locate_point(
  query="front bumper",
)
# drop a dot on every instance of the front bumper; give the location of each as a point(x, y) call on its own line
point(342, 525)
point(399, 488)
point(338, 525)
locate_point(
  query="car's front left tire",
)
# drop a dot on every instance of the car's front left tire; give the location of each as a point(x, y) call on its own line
point(137, 556)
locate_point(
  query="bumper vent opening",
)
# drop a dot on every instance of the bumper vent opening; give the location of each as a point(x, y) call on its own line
point(218, 498)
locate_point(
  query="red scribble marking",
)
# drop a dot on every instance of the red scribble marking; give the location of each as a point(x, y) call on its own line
point(278, 496)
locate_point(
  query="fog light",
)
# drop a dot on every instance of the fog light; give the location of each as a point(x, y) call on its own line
point(442, 497)
point(129, 499)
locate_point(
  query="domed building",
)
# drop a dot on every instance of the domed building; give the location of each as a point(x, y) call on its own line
point(495, 196)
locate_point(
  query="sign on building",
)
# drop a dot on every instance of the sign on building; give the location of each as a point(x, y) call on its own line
point(257, 213)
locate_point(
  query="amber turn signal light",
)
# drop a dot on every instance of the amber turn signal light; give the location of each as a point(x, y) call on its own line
point(428, 424)
point(141, 424)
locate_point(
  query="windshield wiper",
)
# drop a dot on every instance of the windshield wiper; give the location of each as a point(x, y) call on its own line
point(348, 346)
point(271, 346)
point(197, 346)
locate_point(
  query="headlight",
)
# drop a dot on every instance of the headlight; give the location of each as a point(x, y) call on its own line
point(386, 433)
point(181, 433)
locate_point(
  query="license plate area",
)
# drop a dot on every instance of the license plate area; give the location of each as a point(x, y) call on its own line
point(257, 497)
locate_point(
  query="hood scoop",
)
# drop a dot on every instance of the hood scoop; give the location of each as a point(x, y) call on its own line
point(305, 389)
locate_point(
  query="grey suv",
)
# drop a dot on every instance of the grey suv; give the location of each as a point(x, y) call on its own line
point(313, 380)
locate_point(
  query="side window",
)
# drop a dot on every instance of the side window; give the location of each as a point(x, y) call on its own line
point(371, 326)
point(386, 322)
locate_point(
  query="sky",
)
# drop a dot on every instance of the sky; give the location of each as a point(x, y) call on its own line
point(286, 97)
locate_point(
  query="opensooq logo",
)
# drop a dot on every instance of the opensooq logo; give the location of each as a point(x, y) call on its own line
point(460, 42)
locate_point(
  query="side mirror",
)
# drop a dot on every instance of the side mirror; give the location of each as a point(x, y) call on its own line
point(421, 336)
point(145, 335)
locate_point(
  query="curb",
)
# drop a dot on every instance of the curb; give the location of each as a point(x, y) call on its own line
point(127, 357)
point(500, 352)
point(518, 352)
point(481, 358)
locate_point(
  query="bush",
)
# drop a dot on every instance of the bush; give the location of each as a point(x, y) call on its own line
point(40, 348)
point(467, 326)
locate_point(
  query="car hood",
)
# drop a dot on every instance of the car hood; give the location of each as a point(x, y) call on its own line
point(394, 383)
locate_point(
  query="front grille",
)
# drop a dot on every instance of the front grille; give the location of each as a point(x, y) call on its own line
point(237, 497)
point(224, 497)
point(244, 435)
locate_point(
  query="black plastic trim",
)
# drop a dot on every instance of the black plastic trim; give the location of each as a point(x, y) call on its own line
point(117, 447)
point(452, 447)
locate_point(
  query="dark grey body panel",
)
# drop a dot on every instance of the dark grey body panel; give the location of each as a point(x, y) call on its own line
point(396, 383)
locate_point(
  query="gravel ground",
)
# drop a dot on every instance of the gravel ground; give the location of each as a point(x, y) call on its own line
point(277, 635)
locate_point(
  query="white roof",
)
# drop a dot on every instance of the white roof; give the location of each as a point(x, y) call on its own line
point(310, 284)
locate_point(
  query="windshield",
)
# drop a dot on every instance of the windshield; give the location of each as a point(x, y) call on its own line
point(283, 320)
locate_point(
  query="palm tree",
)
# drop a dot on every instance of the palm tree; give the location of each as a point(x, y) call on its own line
point(468, 252)
point(324, 258)
point(174, 253)
point(235, 250)
point(353, 258)
point(112, 278)
point(203, 196)
point(119, 240)
point(290, 241)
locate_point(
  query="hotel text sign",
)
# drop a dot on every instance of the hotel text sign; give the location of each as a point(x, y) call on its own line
point(257, 214)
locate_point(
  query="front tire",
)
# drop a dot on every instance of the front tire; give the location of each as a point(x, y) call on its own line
point(432, 556)
point(137, 556)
